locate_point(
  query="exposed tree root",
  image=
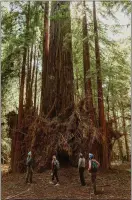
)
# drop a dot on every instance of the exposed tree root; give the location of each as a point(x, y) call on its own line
point(46, 137)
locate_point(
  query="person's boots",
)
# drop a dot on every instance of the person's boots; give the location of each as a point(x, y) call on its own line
point(26, 180)
point(31, 180)
point(94, 187)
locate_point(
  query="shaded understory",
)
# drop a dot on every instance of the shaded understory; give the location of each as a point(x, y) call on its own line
point(113, 184)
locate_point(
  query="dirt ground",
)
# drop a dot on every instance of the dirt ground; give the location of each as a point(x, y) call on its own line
point(113, 184)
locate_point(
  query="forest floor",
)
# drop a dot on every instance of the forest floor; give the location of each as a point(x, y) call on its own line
point(113, 184)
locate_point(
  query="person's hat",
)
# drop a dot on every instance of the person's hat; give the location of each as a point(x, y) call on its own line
point(29, 153)
point(91, 155)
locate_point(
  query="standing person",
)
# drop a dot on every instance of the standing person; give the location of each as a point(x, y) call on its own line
point(81, 167)
point(93, 167)
point(29, 164)
point(55, 168)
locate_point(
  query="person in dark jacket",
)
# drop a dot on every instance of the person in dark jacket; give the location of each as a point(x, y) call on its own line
point(93, 167)
point(29, 164)
point(55, 167)
point(81, 167)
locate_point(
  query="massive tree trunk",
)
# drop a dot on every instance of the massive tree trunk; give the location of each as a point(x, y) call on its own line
point(102, 120)
point(59, 94)
point(45, 57)
point(86, 64)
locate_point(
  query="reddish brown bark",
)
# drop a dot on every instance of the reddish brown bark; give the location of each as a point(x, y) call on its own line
point(86, 64)
point(45, 56)
point(33, 74)
point(125, 132)
point(21, 94)
point(17, 138)
point(102, 120)
point(77, 95)
point(35, 88)
point(116, 129)
point(27, 70)
point(29, 88)
point(59, 82)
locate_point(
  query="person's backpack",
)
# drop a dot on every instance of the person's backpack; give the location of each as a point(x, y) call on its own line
point(94, 166)
point(82, 163)
point(29, 161)
point(57, 164)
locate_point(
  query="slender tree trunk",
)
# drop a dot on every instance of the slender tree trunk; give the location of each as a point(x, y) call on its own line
point(45, 57)
point(77, 95)
point(29, 89)
point(108, 104)
point(102, 120)
point(21, 94)
point(33, 74)
point(18, 136)
point(125, 132)
point(116, 129)
point(36, 78)
point(86, 64)
point(27, 74)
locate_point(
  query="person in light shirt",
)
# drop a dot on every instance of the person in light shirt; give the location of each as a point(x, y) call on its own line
point(81, 167)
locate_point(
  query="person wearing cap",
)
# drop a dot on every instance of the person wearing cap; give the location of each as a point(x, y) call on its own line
point(29, 164)
point(81, 167)
point(93, 167)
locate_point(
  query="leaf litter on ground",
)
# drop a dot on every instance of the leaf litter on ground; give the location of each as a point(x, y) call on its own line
point(113, 184)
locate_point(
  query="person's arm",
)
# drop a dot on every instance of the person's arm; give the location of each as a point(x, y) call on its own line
point(28, 161)
point(79, 162)
point(89, 166)
point(52, 166)
point(97, 163)
point(84, 162)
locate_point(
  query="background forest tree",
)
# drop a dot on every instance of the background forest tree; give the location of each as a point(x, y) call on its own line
point(65, 79)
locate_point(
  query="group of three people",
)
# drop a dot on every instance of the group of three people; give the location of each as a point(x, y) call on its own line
point(92, 168)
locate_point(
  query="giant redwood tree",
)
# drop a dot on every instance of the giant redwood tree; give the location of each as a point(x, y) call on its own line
point(38, 44)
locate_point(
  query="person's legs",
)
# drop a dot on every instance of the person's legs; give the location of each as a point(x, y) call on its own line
point(56, 176)
point(83, 181)
point(93, 179)
point(81, 173)
point(31, 174)
point(53, 175)
point(27, 175)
